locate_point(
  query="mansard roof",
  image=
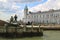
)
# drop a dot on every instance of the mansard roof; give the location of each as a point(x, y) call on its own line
point(40, 12)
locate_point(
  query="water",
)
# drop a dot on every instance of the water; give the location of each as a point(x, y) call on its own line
point(48, 35)
point(51, 35)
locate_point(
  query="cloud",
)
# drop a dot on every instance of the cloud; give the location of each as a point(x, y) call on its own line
point(24, 1)
point(8, 9)
point(15, 7)
point(6, 16)
point(3, 0)
point(8, 6)
point(5, 7)
point(50, 4)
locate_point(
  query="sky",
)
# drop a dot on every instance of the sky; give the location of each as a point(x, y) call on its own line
point(9, 8)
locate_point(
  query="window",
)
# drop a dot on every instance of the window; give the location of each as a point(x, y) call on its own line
point(37, 16)
point(40, 15)
point(33, 16)
point(43, 16)
point(51, 15)
point(47, 16)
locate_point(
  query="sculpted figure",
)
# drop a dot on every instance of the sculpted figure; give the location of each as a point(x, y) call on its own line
point(11, 19)
point(15, 17)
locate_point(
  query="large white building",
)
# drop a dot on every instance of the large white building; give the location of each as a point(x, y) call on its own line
point(51, 16)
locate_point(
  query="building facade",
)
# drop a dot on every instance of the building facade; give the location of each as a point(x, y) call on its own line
point(51, 16)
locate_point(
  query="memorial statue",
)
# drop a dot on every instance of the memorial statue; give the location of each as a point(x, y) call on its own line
point(11, 19)
point(15, 18)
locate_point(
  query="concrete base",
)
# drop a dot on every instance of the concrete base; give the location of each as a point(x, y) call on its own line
point(21, 35)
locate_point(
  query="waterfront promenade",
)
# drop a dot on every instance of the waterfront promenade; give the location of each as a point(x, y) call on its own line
point(50, 26)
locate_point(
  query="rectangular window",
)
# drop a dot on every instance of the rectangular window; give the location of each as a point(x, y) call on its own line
point(43, 16)
point(40, 15)
point(47, 16)
point(51, 15)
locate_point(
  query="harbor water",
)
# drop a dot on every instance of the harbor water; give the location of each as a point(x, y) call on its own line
point(48, 35)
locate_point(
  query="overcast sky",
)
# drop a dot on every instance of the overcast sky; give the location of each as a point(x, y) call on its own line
point(12, 7)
